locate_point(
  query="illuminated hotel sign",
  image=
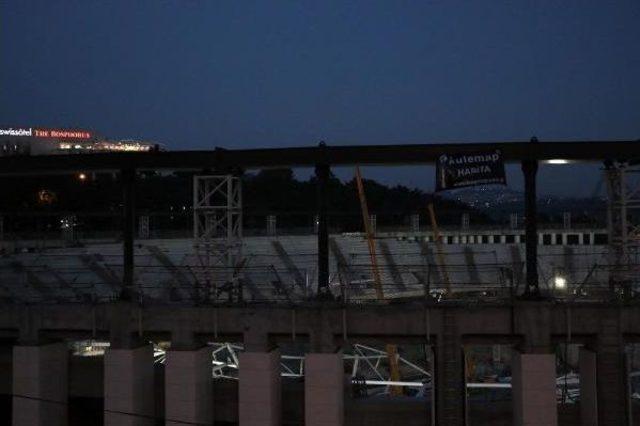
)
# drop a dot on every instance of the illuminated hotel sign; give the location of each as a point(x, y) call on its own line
point(46, 133)
point(16, 132)
point(63, 134)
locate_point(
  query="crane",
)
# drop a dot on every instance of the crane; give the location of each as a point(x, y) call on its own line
point(440, 252)
point(392, 350)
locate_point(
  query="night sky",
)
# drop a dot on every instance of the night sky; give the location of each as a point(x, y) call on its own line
point(198, 74)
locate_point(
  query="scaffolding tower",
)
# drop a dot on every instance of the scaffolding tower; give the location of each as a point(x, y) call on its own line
point(217, 232)
point(623, 220)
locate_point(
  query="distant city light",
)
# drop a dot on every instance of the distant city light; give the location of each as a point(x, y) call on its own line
point(557, 161)
point(46, 197)
point(82, 176)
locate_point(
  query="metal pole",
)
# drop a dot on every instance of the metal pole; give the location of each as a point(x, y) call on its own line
point(529, 169)
point(322, 174)
point(129, 224)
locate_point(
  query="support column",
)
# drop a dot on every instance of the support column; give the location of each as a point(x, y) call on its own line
point(188, 387)
point(259, 391)
point(40, 385)
point(322, 175)
point(534, 389)
point(324, 389)
point(129, 387)
point(129, 224)
point(613, 393)
point(530, 169)
point(588, 388)
point(450, 384)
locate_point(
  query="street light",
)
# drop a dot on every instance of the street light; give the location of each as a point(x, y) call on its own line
point(560, 282)
point(557, 161)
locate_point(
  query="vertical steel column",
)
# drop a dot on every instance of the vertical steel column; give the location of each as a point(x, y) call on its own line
point(129, 224)
point(322, 174)
point(530, 169)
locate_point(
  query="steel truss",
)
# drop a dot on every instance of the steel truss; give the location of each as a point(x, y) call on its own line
point(217, 233)
point(368, 365)
point(623, 220)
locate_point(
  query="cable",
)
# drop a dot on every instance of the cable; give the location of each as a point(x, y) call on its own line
point(144, 416)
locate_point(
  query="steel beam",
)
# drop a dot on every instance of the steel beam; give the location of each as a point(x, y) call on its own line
point(129, 225)
point(595, 151)
point(530, 169)
point(322, 175)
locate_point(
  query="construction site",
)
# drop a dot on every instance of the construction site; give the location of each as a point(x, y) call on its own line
point(417, 324)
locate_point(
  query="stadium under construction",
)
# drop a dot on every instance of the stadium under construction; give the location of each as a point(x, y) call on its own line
point(524, 325)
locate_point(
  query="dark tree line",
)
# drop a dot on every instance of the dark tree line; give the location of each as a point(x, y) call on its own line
point(97, 197)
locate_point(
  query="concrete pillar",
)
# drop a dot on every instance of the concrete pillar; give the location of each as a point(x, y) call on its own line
point(613, 392)
point(415, 223)
point(449, 380)
point(534, 389)
point(259, 392)
point(188, 387)
point(324, 389)
point(40, 389)
point(588, 388)
point(128, 387)
point(271, 225)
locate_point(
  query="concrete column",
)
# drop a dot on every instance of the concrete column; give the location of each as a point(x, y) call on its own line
point(188, 387)
point(613, 392)
point(324, 389)
point(259, 391)
point(40, 389)
point(128, 387)
point(534, 389)
point(449, 380)
point(588, 388)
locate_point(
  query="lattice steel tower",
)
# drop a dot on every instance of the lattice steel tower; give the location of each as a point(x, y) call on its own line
point(217, 232)
point(623, 217)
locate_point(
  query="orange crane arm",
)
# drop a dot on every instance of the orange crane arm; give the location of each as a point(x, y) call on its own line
point(392, 350)
point(371, 242)
point(440, 252)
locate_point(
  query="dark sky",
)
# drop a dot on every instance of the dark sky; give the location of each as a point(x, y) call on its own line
point(197, 74)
